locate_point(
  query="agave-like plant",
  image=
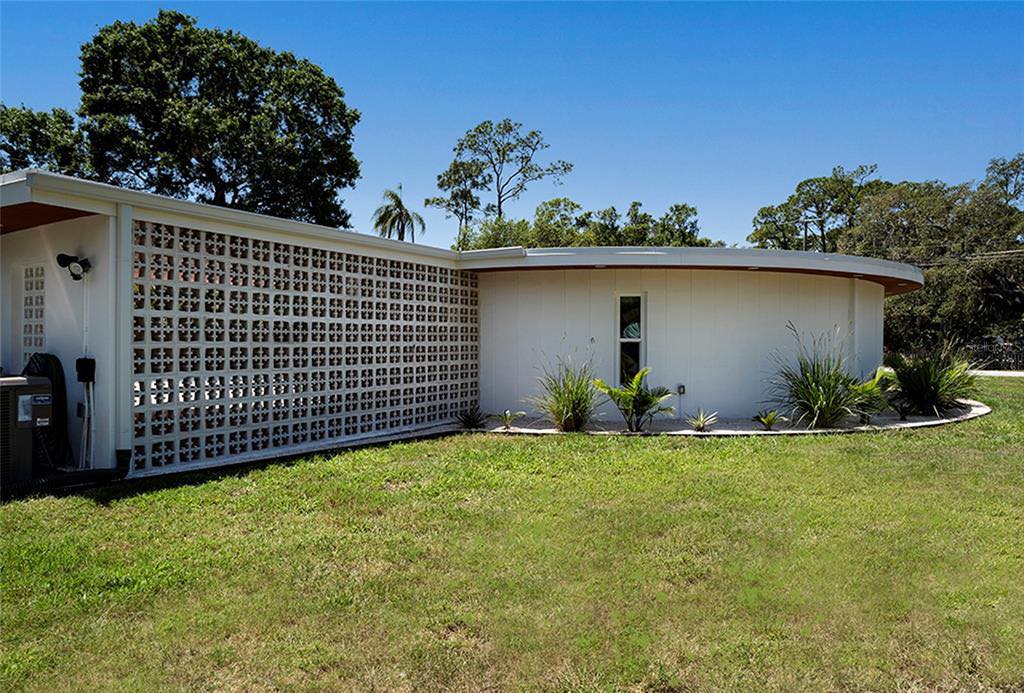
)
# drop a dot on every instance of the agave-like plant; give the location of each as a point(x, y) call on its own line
point(568, 397)
point(769, 418)
point(934, 381)
point(472, 418)
point(702, 421)
point(507, 418)
point(637, 403)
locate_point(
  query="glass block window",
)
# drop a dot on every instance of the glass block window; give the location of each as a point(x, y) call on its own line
point(630, 336)
point(246, 348)
point(33, 318)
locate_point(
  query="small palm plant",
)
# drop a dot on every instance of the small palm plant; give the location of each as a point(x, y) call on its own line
point(702, 421)
point(769, 418)
point(394, 219)
point(507, 418)
point(637, 403)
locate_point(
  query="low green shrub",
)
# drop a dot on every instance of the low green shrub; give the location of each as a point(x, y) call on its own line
point(568, 396)
point(933, 381)
point(874, 395)
point(637, 403)
point(769, 418)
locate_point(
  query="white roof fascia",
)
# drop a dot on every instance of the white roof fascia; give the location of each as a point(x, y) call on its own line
point(710, 258)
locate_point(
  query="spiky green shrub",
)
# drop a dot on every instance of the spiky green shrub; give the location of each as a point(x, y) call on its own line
point(815, 386)
point(472, 418)
point(769, 418)
point(637, 403)
point(508, 417)
point(934, 381)
point(702, 421)
point(568, 397)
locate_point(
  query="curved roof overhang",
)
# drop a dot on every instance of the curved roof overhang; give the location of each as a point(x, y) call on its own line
point(896, 277)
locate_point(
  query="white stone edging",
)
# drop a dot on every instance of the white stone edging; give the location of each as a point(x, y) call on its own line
point(973, 410)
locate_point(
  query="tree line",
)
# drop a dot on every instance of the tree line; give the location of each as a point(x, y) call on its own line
point(562, 222)
point(967, 237)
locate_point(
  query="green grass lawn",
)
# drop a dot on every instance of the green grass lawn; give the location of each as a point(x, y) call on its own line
point(863, 561)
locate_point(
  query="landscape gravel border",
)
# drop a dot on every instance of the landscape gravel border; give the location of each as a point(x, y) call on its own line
point(732, 428)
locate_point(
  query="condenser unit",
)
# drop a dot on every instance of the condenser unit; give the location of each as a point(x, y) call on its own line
point(26, 403)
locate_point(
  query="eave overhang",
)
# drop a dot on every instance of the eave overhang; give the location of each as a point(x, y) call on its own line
point(897, 278)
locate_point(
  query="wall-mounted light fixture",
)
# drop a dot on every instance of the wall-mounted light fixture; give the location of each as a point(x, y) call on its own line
point(76, 266)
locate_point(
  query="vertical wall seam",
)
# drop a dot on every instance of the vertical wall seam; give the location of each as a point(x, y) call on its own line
point(123, 337)
point(851, 328)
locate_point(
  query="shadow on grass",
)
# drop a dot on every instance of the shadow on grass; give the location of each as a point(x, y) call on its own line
point(110, 490)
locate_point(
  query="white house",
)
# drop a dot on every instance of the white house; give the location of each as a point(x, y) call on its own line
point(223, 336)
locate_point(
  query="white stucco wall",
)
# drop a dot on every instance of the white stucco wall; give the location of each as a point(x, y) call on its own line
point(712, 330)
point(67, 303)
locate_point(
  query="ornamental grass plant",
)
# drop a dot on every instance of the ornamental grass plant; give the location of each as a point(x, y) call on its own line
point(815, 386)
point(568, 397)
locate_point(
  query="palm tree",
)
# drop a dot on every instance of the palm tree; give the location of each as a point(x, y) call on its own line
point(393, 218)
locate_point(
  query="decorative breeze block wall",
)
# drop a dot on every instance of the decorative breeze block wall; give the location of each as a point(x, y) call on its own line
point(33, 316)
point(243, 348)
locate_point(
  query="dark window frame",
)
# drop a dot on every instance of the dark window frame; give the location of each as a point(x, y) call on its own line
point(640, 340)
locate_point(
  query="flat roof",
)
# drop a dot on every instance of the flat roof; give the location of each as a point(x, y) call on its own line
point(30, 198)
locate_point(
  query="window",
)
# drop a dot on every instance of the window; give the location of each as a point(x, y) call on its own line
point(630, 336)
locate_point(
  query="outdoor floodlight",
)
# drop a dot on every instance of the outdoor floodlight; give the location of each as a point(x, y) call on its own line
point(76, 267)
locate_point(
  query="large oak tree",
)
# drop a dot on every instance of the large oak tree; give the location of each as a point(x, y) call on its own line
point(211, 115)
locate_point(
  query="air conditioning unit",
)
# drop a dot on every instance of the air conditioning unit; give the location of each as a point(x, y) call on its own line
point(26, 403)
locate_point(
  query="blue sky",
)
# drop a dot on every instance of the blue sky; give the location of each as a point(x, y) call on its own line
point(722, 106)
